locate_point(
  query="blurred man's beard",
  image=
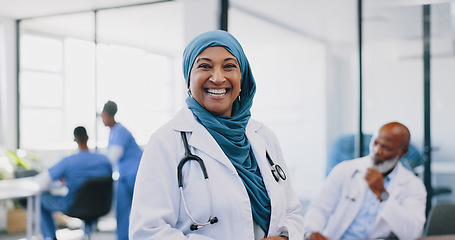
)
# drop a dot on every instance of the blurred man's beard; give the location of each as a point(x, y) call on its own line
point(387, 165)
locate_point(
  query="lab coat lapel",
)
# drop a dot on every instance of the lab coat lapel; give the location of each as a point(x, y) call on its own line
point(393, 188)
point(359, 185)
point(397, 181)
point(259, 146)
point(201, 139)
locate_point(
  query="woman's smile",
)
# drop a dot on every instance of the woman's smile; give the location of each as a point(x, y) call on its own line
point(220, 92)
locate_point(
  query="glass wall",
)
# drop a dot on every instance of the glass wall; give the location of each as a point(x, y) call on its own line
point(442, 97)
point(138, 66)
point(65, 79)
point(393, 68)
point(305, 72)
point(56, 79)
point(394, 78)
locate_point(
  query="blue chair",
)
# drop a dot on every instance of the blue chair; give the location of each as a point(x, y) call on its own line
point(344, 149)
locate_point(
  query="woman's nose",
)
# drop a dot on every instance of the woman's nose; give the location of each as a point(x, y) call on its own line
point(218, 76)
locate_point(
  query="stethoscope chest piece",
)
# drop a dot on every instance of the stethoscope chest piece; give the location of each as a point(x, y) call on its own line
point(277, 170)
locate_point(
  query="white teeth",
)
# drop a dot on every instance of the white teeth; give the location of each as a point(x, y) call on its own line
point(217, 92)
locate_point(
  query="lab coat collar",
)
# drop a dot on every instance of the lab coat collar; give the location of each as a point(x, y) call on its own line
point(200, 137)
point(202, 140)
point(259, 146)
point(397, 179)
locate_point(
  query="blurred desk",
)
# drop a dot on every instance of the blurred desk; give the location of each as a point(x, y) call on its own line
point(439, 237)
point(25, 188)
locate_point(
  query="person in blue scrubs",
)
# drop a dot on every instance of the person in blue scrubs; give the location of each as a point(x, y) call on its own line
point(124, 152)
point(73, 170)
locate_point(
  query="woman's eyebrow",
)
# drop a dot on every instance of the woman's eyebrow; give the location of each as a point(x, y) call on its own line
point(233, 59)
point(206, 59)
point(210, 60)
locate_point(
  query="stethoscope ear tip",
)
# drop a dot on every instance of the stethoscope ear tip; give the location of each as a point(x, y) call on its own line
point(213, 220)
point(194, 227)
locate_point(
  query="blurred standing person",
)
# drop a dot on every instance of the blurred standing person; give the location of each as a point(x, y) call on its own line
point(124, 153)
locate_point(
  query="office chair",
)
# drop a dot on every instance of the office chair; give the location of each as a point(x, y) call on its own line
point(344, 149)
point(441, 220)
point(92, 201)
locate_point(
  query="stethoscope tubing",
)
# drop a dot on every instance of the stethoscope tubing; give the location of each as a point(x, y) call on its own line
point(277, 173)
point(188, 157)
point(188, 212)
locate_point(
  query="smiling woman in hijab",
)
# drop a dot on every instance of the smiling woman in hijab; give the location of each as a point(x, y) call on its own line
point(226, 188)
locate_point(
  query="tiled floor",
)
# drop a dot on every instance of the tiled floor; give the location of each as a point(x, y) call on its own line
point(65, 234)
point(106, 231)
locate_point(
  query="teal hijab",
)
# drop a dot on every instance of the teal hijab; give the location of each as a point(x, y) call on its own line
point(229, 132)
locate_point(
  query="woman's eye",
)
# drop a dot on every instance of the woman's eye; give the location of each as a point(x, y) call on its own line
point(230, 66)
point(205, 66)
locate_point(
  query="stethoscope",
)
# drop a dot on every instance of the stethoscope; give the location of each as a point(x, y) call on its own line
point(352, 198)
point(277, 173)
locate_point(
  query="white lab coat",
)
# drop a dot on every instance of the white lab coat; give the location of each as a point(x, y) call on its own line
point(158, 212)
point(340, 199)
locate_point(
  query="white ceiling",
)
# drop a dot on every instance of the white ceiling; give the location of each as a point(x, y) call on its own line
point(136, 26)
point(20, 9)
point(335, 20)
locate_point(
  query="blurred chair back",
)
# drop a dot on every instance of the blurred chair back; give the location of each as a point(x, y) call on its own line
point(344, 149)
point(441, 220)
point(92, 201)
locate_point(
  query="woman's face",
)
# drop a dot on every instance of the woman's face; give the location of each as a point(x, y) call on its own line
point(215, 80)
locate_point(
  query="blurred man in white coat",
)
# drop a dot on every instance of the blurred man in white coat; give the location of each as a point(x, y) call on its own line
point(371, 197)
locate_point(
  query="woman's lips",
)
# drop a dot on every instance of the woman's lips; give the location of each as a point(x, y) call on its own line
point(218, 92)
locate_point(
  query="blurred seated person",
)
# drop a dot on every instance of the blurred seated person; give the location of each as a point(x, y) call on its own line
point(370, 197)
point(73, 170)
